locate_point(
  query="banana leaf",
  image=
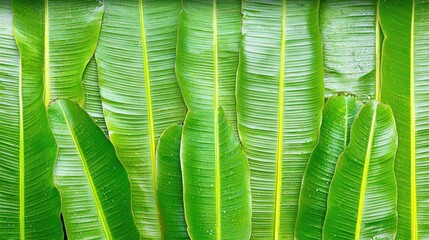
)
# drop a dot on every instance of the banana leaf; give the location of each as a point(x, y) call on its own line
point(207, 55)
point(405, 86)
point(362, 197)
point(216, 188)
point(280, 96)
point(351, 40)
point(169, 188)
point(338, 116)
point(139, 91)
point(30, 204)
point(92, 95)
point(94, 186)
point(69, 33)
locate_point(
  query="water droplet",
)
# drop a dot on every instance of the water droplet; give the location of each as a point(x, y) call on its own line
point(136, 43)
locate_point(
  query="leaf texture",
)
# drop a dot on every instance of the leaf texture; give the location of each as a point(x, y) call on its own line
point(69, 33)
point(94, 186)
point(139, 91)
point(405, 86)
point(93, 105)
point(338, 116)
point(279, 102)
point(350, 39)
point(362, 197)
point(169, 188)
point(30, 204)
point(209, 37)
point(216, 191)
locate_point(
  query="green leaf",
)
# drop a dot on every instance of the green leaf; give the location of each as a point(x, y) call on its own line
point(30, 204)
point(362, 197)
point(405, 86)
point(351, 45)
point(207, 55)
point(216, 187)
point(92, 95)
point(169, 190)
point(94, 186)
point(69, 32)
point(139, 91)
point(338, 116)
point(279, 102)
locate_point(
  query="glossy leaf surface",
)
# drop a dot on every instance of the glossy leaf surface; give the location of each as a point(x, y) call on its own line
point(216, 187)
point(94, 186)
point(350, 46)
point(207, 55)
point(405, 86)
point(338, 116)
point(139, 91)
point(362, 197)
point(93, 105)
point(279, 102)
point(169, 188)
point(30, 204)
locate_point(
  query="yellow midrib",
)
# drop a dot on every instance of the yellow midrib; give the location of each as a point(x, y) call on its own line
point(279, 152)
point(365, 175)
point(21, 160)
point(216, 123)
point(377, 54)
point(414, 232)
point(89, 177)
point(346, 123)
point(47, 80)
point(148, 96)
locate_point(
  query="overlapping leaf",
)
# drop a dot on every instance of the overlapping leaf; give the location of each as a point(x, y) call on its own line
point(169, 188)
point(94, 186)
point(139, 91)
point(405, 86)
point(338, 116)
point(362, 196)
point(279, 102)
point(30, 204)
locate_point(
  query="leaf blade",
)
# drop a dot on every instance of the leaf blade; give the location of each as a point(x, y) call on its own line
point(405, 25)
point(362, 197)
point(94, 186)
point(258, 106)
point(338, 115)
point(30, 203)
point(121, 66)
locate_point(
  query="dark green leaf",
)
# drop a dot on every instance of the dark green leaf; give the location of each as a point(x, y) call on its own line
point(169, 190)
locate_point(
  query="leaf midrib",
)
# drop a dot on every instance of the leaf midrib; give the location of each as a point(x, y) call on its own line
point(216, 123)
point(365, 175)
point(279, 152)
point(21, 158)
point(88, 175)
point(148, 96)
point(414, 231)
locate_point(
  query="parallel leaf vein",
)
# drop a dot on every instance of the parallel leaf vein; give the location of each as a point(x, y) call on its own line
point(47, 80)
point(89, 177)
point(365, 175)
point(414, 231)
point(279, 152)
point(148, 93)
